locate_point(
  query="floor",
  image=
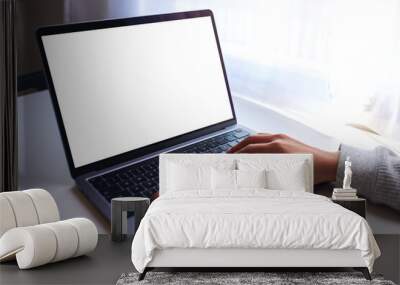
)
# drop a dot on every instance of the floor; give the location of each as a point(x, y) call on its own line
point(389, 262)
point(103, 266)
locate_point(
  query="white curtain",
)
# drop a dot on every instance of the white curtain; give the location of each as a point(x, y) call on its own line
point(324, 62)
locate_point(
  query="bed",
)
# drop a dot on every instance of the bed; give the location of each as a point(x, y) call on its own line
point(247, 210)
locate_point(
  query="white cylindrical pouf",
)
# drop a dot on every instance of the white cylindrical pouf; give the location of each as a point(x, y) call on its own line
point(40, 244)
point(45, 205)
point(7, 218)
point(33, 246)
point(31, 232)
point(87, 234)
point(67, 239)
point(23, 208)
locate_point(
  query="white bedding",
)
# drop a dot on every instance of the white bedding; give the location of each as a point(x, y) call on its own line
point(250, 219)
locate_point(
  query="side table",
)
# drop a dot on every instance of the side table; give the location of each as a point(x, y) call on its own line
point(357, 205)
point(119, 214)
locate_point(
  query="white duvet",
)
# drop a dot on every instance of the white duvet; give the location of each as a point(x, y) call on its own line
point(250, 219)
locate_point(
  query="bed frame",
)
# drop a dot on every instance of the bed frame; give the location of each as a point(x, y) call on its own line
point(245, 258)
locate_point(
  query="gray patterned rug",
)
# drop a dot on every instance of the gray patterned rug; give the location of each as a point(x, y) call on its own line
point(232, 278)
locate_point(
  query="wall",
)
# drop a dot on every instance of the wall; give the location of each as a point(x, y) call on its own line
point(32, 14)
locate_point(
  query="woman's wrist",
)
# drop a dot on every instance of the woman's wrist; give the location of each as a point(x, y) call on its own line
point(332, 165)
point(325, 166)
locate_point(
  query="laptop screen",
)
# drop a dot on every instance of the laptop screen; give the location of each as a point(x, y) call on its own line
point(123, 88)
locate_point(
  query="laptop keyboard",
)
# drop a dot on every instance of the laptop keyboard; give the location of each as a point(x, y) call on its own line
point(141, 179)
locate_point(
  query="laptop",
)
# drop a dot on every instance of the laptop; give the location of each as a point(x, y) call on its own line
point(126, 90)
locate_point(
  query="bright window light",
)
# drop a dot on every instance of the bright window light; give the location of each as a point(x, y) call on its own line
point(324, 62)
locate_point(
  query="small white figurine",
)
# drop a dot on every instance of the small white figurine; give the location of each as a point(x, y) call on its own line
point(347, 174)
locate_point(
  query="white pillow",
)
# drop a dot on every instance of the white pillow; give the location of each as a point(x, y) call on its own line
point(223, 179)
point(193, 174)
point(293, 179)
point(188, 177)
point(281, 174)
point(251, 178)
point(228, 179)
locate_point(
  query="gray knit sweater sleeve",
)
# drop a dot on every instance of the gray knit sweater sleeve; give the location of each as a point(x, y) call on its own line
point(376, 174)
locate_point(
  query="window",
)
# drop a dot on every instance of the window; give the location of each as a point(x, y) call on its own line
point(323, 62)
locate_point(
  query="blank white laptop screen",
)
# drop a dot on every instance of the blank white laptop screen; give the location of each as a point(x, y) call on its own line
point(123, 88)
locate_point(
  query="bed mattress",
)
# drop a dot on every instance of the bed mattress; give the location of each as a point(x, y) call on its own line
point(250, 219)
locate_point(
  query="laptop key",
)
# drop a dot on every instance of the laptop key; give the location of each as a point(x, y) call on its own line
point(126, 183)
point(152, 174)
point(148, 184)
point(225, 147)
point(231, 144)
point(136, 189)
point(230, 137)
point(139, 179)
point(241, 134)
point(98, 182)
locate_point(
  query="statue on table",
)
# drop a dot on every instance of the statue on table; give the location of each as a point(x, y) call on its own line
point(347, 174)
